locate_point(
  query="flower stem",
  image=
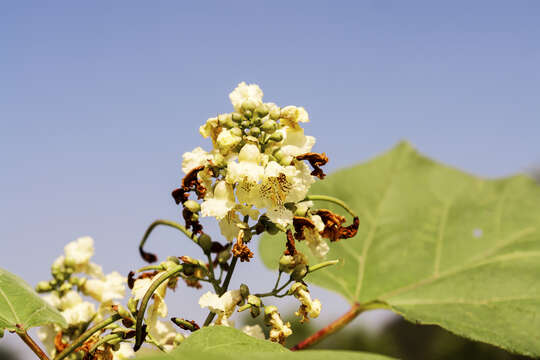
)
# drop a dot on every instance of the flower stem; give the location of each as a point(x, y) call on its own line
point(339, 323)
point(224, 287)
point(139, 338)
point(172, 224)
point(84, 336)
point(332, 200)
point(32, 345)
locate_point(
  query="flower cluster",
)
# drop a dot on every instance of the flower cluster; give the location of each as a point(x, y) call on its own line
point(254, 180)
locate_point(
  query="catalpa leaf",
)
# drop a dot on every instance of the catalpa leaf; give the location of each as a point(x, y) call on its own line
point(437, 246)
point(220, 342)
point(21, 307)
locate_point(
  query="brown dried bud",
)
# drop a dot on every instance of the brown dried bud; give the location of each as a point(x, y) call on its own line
point(315, 160)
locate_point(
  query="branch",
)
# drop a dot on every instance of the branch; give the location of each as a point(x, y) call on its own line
point(151, 257)
point(32, 345)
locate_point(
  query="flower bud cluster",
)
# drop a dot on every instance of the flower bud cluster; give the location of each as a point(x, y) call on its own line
point(253, 166)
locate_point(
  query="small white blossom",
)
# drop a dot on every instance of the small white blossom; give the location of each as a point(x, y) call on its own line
point(112, 287)
point(245, 92)
point(197, 157)
point(220, 202)
point(124, 352)
point(254, 331)
point(223, 305)
point(226, 140)
point(292, 115)
point(229, 226)
point(80, 251)
point(295, 142)
point(248, 167)
point(311, 308)
point(280, 330)
point(315, 242)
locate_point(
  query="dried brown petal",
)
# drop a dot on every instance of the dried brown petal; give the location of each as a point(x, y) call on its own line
point(148, 257)
point(59, 343)
point(316, 160)
point(299, 224)
point(333, 228)
point(291, 248)
point(131, 279)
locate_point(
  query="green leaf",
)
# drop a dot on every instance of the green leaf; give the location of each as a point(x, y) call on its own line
point(437, 246)
point(220, 342)
point(21, 307)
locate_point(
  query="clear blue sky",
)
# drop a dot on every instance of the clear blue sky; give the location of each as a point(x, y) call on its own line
point(98, 100)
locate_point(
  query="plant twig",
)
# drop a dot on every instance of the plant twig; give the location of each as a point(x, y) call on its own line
point(86, 335)
point(336, 325)
point(32, 345)
point(172, 224)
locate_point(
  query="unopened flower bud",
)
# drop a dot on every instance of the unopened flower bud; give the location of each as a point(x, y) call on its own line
point(286, 263)
point(132, 305)
point(248, 113)
point(174, 260)
point(244, 290)
point(275, 113)
point(255, 131)
point(192, 206)
point(225, 120)
point(43, 286)
point(254, 300)
point(255, 311)
point(123, 312)
point(178, 338)
point(277, 137)
point(65, 287)
point(237, 117)
point(261, 110)
point(299, 272)
point(269, 126)
point(245, 124)
point(194, 217)
point(205, 242)
point(224, 255)
point(237, 132)
point(272, 228)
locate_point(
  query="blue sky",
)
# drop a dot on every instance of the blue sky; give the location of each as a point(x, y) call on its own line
point(98, 100)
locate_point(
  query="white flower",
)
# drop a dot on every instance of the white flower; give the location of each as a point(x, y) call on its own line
point(292, 115)
point(248, 167)
point(243, 93)
point(163, 333)
point(80, 251)
point(124, 352)
point(228, 225)
point(210, 128)
point(80, 313)
point(315, 242)
point(158, 307)
point(280, 330)
point(311, 308)
point(223, 305)
point(112, 287)
point(220, 202)
point(226, 140)
point(46, 335)
point(52, 299)
point(295, 142)
point(254, 331)
point(197, 157)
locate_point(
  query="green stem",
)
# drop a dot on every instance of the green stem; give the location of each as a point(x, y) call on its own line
point(103, 340)
point(275, 292)
point(224, 288)
point(212, 275)
point(86, 335)
point(321, 265)
point(144, 303)
point(150, 268)
point(172, 224)
point(332, 200)
point(32, 345)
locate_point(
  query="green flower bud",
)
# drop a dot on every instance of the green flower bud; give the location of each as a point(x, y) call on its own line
point(255, 131)
point(254, 300)
point(219, 160)
point(123, 312)
point(194, 217)
point(286, 263)
point(271, 228)
point(224, 255)
point(254, 311)
point(261, 110)
point(132, 305)
point(115, 344)
point(178, 338)
point(248, 113)
point(249, 105)
point(65, 287)
point(192, 206)
point(269, 126)
point(301, 209)
point(277, 137)
point(237, 117)
point(299, 272)
point(244, 290)
point(237, 132)
point(43, 286)
point(225, 120)
point(245, 124)
point(205, 242)
point(275, 114)
point(173, 259)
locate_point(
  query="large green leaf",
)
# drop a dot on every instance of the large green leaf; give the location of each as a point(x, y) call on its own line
point(220, 342)
point(21, 308)
point(438, 246)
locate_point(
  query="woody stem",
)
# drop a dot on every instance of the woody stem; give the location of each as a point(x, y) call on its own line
point(338, 324)
point(32, 345)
